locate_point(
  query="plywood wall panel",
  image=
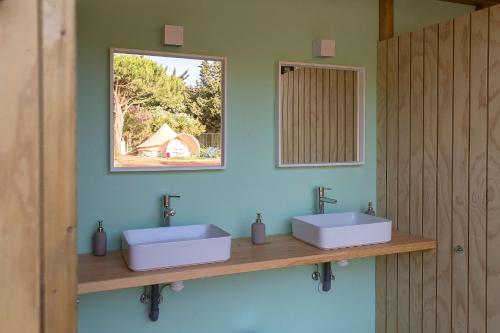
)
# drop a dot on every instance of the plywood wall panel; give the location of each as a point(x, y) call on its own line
point(460, 172)
point(493, 220)
point(451, 188)
point(392, 177)
point(477, 171)
point(416, 173)
point(429, 200)
point(444, 176)
point(381, 261)
point(404, 180)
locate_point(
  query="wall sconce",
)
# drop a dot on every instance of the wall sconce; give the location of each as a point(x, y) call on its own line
point(324, 48)
point(173, 35)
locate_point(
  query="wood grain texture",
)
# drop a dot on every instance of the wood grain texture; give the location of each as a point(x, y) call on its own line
point(493, 221)
point(296, 120)
point(319, 115)
point(349, 116)
point(20, 229)
point(404, 179)
point(284, 117)
point(59, 166)
point(290, 117)
point(110, 272)
point(313, 115)
point(416, 174)
point(392, 178)
point(478, 171)
point(381, 261)
point(429, 200)
point(333, 115)
point(301, 97)
point(341, 114)
point(444, 176)
point(326, 116)
point(307, 115)
point(386, 19)
point(460, 218)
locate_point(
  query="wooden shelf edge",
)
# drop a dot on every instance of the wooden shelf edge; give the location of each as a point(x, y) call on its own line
point(97, 274)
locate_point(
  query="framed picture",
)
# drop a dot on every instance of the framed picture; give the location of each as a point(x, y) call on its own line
point(167, 111)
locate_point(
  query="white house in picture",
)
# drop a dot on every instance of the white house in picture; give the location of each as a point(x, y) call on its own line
point(166, 143)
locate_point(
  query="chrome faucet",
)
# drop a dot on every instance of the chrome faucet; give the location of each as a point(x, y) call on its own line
point(322, 199)
point(168, 211)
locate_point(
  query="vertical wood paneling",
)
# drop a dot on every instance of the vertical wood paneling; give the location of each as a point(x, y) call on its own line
point(460, 172)
point(341, 115)
point(20, 229)
point(313, 115)
point(59, 168)
point(429, 176)
point(307, 115)
point(326, 116)
point(416, 172)
point(284, 117)
point(333, 115)
point(290, 117)
point(355, 119)
point(319, 115)
point(404, 180)
point(392, 178)
point(444, 179)
point(381, 262)
point(301, 98)
point(447, 177)
point(477, 171)
point(493, 220)
point(349, 115)
point(296, 120)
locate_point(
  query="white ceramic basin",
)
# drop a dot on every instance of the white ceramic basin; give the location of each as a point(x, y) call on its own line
point(155, 248)
point(333, 231)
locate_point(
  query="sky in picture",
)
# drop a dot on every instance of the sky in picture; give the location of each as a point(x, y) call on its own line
point(180, 65)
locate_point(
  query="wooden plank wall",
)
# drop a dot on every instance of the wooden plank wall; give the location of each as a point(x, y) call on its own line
point(438, 175)
point(38, 174)
point(319, 123)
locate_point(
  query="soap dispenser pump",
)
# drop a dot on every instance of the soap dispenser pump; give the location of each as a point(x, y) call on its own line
point(370, 210)
point(258, 231)
point(100, 241)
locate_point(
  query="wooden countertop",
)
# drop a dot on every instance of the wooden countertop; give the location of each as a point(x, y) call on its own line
point(97, 274)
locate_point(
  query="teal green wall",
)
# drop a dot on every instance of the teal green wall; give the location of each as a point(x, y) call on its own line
point(253, 35)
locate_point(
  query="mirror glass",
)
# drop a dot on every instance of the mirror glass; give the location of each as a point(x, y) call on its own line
point(320, 115)
point(167, 111)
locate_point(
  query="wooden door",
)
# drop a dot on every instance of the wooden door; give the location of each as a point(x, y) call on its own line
point(37, 173)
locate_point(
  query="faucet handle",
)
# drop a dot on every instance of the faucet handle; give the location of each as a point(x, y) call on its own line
point(166, 199)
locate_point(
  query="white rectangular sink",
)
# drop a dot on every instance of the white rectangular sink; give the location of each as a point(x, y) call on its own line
point(155, 248)
point(333, 231)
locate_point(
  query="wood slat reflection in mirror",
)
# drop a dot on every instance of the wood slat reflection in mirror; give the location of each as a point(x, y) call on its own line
point(319, 115)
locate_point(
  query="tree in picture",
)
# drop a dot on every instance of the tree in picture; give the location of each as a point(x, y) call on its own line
point(141, 83)
point(206, 96)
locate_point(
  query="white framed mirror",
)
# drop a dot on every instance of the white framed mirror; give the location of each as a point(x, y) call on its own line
point(320, 115)
point(167, 111)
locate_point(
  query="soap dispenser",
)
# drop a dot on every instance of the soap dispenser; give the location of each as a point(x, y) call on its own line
point(258, 231)
point(100, 241)
point(370, 210)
